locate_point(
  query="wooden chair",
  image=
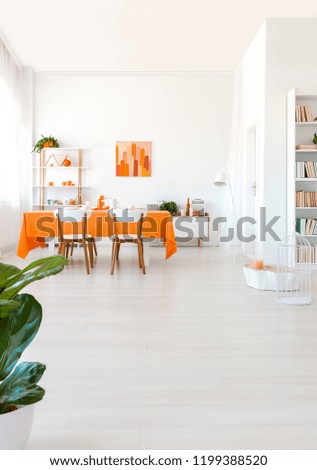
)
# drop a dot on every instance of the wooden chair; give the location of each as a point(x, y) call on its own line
point(127, 216)
point(66, 242)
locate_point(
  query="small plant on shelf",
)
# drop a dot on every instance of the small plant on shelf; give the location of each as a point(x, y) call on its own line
point(45, 142)
point(170, 206)
point(315, 138)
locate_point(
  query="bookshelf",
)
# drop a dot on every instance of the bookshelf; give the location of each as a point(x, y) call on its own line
point(55, 184)
point(302, 167)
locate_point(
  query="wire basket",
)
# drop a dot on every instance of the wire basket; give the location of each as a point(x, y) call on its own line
point(294, 271)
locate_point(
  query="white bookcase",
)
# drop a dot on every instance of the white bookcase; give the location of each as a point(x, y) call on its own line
point(46, 196)
point(300, 133)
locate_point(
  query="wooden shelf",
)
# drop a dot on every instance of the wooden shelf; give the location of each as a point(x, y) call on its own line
point(62, 149)
point(40, 175)
point(59, 186)
point(305, 208)
point(306, 151)
point(60, 167)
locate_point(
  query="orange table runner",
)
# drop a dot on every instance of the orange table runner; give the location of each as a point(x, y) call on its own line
point(36, 226)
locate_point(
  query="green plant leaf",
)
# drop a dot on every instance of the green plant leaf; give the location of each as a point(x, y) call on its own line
point(171, 207)
point(39, 144)
point(6, 306)
point(46, 267)
point(20, 388)
point(6, 271)
point(17, 330)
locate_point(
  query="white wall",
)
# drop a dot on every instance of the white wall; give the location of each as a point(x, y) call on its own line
point(186, 116)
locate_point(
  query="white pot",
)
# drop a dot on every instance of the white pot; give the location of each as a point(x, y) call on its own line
point(15, 428)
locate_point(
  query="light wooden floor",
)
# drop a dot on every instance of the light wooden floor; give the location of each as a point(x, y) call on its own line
point(186, 357)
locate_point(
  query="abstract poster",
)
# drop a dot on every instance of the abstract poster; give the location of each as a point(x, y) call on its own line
point(133, 158)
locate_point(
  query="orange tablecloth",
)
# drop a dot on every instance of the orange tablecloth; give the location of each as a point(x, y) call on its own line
point(36, 226)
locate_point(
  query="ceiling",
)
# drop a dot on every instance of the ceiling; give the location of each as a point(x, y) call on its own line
point(138, 35)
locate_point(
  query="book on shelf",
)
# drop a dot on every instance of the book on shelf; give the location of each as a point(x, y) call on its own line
point(306, 226)
point(307, 254)
point(303, 113)
point(306, 147)
point(306, 198)
point(307, 169)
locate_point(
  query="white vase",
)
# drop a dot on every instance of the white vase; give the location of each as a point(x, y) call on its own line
point(15, 428)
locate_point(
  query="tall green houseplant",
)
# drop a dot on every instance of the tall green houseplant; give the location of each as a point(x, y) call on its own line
point(20, 319)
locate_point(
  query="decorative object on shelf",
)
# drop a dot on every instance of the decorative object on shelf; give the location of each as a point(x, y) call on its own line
point(51, 183)
point(198, 206)
point(170, 206)
point(101, 202)
point(152, 207)
point(133, 158)
point(188, 207)
point(294, 271)
point(45, 142)
point(20, 320)
point(315, 138)
point(51, 161)
point(67, 161)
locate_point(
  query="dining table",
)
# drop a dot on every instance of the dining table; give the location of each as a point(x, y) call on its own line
point(39, 228)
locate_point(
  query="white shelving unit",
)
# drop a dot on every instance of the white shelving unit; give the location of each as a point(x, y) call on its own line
point(45, 195)
point(300, 133)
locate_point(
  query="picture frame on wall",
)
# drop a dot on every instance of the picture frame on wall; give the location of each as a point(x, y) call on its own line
point(134, 158)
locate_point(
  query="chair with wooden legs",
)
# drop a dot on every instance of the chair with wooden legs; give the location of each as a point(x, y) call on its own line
point(66, 241)
point(124, 218)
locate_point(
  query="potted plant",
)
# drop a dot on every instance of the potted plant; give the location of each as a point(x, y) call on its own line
point(44, 142)
point(20, 319)
point(170, 206)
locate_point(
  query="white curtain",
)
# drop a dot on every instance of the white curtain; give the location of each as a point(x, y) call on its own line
point(235, 163)
point(10, 126)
